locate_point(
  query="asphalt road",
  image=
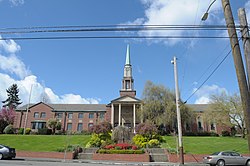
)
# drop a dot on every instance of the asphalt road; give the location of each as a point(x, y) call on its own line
point(44, 163)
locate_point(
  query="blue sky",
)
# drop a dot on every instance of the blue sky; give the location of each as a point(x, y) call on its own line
point(91, 70)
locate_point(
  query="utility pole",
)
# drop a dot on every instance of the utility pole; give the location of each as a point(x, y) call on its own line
point(238, 63)
point(178, 112)
point(245, 40)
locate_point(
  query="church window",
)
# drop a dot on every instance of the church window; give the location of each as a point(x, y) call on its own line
point(91, 115)
point(127, 84)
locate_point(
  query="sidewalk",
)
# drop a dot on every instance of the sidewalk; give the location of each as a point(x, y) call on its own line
point(108, 162)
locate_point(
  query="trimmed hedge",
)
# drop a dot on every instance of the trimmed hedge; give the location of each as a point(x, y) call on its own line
point(106, 151)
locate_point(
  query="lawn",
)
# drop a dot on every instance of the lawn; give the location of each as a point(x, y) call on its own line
point(208, 145)
point(193, 145)
point(43, 143)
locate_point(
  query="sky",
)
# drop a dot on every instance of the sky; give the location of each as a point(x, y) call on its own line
point(90, 71)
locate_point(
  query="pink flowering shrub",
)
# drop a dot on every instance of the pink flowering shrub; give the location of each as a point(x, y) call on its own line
point(7, 117)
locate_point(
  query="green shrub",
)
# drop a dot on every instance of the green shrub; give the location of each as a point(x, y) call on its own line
point(44, 131)
point(20, 131)
point(154, 143)
point(225, 133)
point(9, 129)
point(27, 131)
point(95, 141)
point(85, 132)
point(105, 151)
point(148, 141)
point(69, 148)
point(140, 140)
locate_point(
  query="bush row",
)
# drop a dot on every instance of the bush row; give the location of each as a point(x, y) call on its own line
point(105, 151)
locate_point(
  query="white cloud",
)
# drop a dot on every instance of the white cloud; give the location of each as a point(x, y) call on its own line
point(11, 66)
point(9, 46)
point(17, 2)
point(206, 91)
point(173, 12)
point(69, 98)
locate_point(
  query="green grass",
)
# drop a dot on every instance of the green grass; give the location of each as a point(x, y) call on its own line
point(208, 145)
point(43, 143)
point(193, 145)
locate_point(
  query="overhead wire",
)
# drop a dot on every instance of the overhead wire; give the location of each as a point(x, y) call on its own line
point(210, 75)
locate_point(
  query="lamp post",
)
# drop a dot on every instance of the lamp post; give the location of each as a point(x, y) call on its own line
point(205, 16)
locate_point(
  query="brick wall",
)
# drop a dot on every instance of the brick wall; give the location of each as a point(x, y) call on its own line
point(122, 157)
point(55, 155)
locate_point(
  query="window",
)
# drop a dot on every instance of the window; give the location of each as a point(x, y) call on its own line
point(79, 127)
point(70, 115)
point(43, 115)
point(91, 115)
point(127, 84)
point(102, 115)
point(80, 115)
point(38, 125)
point(59, 115)
point(90, 125)
point(212, 126)
point(69, 126)
point(36, 115)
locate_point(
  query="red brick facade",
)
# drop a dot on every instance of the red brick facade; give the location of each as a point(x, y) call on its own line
point(71, 120)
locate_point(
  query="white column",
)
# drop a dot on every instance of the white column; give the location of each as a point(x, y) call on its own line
point(119, 121)
point(134, 116)
point(112, 115)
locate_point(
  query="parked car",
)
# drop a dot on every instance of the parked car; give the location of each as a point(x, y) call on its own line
point(226, 158)
point(7, 152)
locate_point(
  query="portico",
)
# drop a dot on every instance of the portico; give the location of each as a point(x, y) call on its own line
point(124, 111)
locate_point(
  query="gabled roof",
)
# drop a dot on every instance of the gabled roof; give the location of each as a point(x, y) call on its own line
point(126, 99)
point(69, 107)
point(198, 107)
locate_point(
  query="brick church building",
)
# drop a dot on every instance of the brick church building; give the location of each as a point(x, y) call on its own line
point(120, 111)
point(78, 117)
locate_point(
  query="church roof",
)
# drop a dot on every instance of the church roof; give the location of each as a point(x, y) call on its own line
point(126, 99)
point(69, 107)
point(198, 107)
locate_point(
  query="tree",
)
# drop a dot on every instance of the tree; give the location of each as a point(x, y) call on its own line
point(159, 105)
point(54, 125)
point(226, 110)
point(13, 100)
point(7, 117)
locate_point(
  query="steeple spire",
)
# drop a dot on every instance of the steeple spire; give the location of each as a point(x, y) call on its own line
point(127, 81)
point(128, 56)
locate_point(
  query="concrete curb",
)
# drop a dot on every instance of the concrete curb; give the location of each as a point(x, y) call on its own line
point(110, 162)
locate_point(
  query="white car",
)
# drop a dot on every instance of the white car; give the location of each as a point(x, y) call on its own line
point(226, 158)
point(7, 152)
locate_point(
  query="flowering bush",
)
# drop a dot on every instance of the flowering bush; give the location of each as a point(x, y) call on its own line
point(147, 136)
point(7, 117)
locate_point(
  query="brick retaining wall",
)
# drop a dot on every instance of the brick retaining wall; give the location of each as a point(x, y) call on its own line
point(55, 155)
point(122, 157)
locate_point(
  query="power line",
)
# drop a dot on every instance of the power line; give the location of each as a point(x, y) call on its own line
point(209, 76)
point(212, 71)
point(113, 37)
point(57, 29)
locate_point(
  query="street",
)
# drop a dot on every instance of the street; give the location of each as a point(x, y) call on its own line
point(15, 162)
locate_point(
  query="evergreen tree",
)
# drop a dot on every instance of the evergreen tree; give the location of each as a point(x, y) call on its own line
point(13, 100)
